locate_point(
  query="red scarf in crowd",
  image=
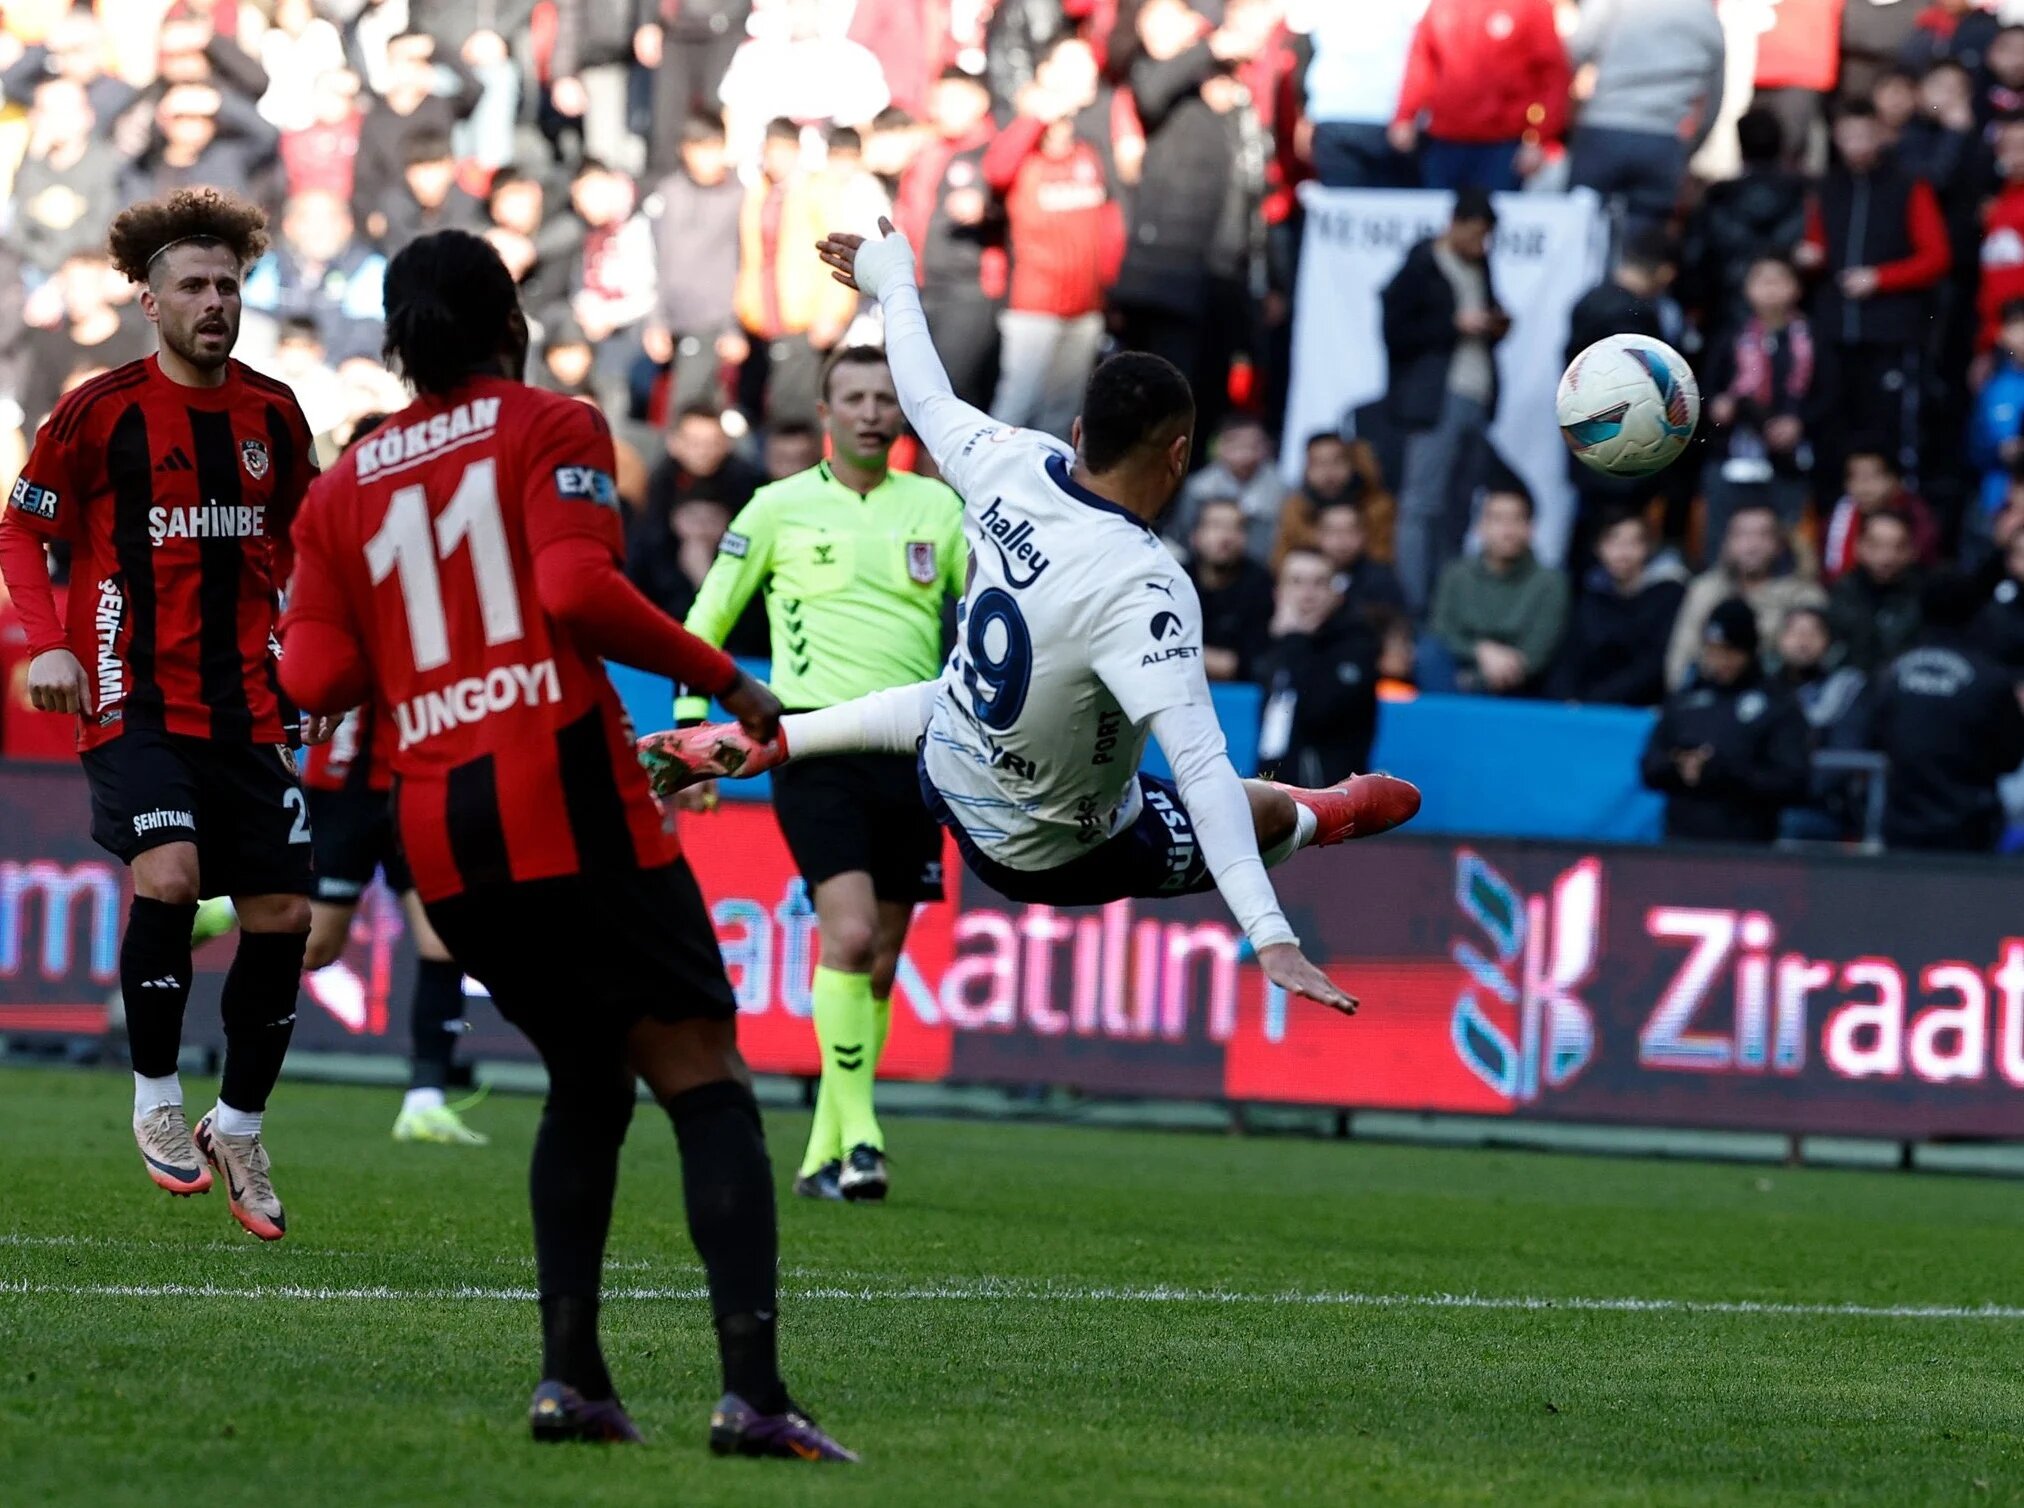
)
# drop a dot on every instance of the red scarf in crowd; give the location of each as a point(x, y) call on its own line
point(1753, 362)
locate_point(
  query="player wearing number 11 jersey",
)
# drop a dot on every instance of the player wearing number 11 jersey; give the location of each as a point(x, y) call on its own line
point(461, 568)
point(1078, 637)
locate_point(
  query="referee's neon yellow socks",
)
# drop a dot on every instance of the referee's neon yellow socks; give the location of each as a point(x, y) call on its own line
point(850, 1028)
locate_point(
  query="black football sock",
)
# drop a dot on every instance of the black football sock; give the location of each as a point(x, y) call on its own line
point(571, 1183)
point(154, 981)
point(727, 1186)
point(437, 1013)
point(259, 1011)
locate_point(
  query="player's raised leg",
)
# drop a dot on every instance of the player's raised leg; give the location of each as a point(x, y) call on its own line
point(882, 722)
point(1290, 817)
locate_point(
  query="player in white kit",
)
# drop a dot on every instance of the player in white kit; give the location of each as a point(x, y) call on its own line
point(1079, 635)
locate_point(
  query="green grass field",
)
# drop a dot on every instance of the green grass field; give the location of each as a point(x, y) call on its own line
point(1042, 1316)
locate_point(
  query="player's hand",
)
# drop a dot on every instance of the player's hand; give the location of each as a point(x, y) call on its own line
point(56, 683)
point(697, 798)
point(1286, 966)
point(873, 268)
point(320, 728)
point(756, 708)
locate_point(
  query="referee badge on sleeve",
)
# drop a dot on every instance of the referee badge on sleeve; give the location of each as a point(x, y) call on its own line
point(921, 563)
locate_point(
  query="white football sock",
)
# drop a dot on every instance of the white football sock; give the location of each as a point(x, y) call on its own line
point(230, 1122)
point(1305, 826)
point(886, 722)
point(148, 1093)
point(422, 1099)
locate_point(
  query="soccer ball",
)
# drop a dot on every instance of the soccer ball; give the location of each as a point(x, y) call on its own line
point(1628, 405)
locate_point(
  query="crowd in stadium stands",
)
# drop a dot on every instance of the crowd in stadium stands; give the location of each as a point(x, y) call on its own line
point(1821, 202)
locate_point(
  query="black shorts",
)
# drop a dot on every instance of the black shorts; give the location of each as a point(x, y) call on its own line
point(354, 834)
point(606, 949)
point(241, 804)
point(1156, 856)
point(847, 812)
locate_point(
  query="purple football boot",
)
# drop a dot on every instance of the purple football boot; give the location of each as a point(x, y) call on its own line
point(738, 1429)
point(559, 1412)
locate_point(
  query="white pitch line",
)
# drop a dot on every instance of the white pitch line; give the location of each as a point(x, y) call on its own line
point(1021, 1291)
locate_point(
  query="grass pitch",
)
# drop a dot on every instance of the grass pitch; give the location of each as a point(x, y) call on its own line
point(1042, 1316)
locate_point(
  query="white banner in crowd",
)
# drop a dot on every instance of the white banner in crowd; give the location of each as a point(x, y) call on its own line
point(1550, 249)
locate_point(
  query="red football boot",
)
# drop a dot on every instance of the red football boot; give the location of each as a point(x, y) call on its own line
point(1360, 807)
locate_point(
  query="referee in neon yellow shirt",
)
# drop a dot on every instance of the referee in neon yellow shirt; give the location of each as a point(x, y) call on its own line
point(855, 560)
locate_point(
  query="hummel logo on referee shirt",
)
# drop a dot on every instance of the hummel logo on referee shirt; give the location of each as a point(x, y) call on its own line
point(175, 461)
point(166, 982)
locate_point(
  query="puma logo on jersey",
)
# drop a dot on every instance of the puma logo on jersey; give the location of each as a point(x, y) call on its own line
point(1013, 540)
point(211, 521)
point(477, 697)
point(401, 443)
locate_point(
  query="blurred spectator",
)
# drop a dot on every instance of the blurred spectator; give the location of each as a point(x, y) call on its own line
point(1319, 673)
point(797, 64)
point(2002, 96)
point(791, 448)
point(1948, 720)
point(540, 249)
point(692, 495)
point(695, 213)
point(1397, 658)
point(567, 358)
point(427, 198)
point(1875, 607)
point(1895, 98)
point(74, 49)
point(596, 44)
point(1021, 33)
point(320, 270)
point(1798, 66)
point(689, 44)
point(1996, 440)
point(1501, 613)
point(614, 287)
point(479, 33)
point(2002, 258)
point(427, 93)
point(1880, 242)
point(1659, 71)
point(66, 190)
point(1729, 751)
point(295, 51)
point(1615, 650)
point(1634, 300)
point(1760, 213)
point(301, 360)
point(1442, 323)
point(855, 195)
point(323, 154)
point(1353, 87)
point(205, 135)
point(1763, 384)
point(1366, 586)
point(946, 208)
point(1240, 468)
point(1054, 171)
point(1999, 628)
point(1333, 471)
point(1873, 38)
point(1236, 592)
point(1874, 486)
point(1197, 246)
point(790, 309)
point(1832, 698)
point(1485, 93)
point(1756, 567)
point(1955, 31)
point(82, 319)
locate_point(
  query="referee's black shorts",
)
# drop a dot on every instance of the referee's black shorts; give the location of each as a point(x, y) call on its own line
point(844, 813)
point(599, 951)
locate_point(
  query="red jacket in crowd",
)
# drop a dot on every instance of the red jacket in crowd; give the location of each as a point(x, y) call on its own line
point(1802, 50)
point(2002, 262)
point(1067, 231)
point(1487, 71)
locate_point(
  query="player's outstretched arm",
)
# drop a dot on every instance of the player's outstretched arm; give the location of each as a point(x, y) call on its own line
point(1215, 801)
point(883, 269)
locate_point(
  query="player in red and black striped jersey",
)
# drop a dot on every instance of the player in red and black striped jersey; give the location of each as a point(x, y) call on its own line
point(460, 568)
point(174, 479)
